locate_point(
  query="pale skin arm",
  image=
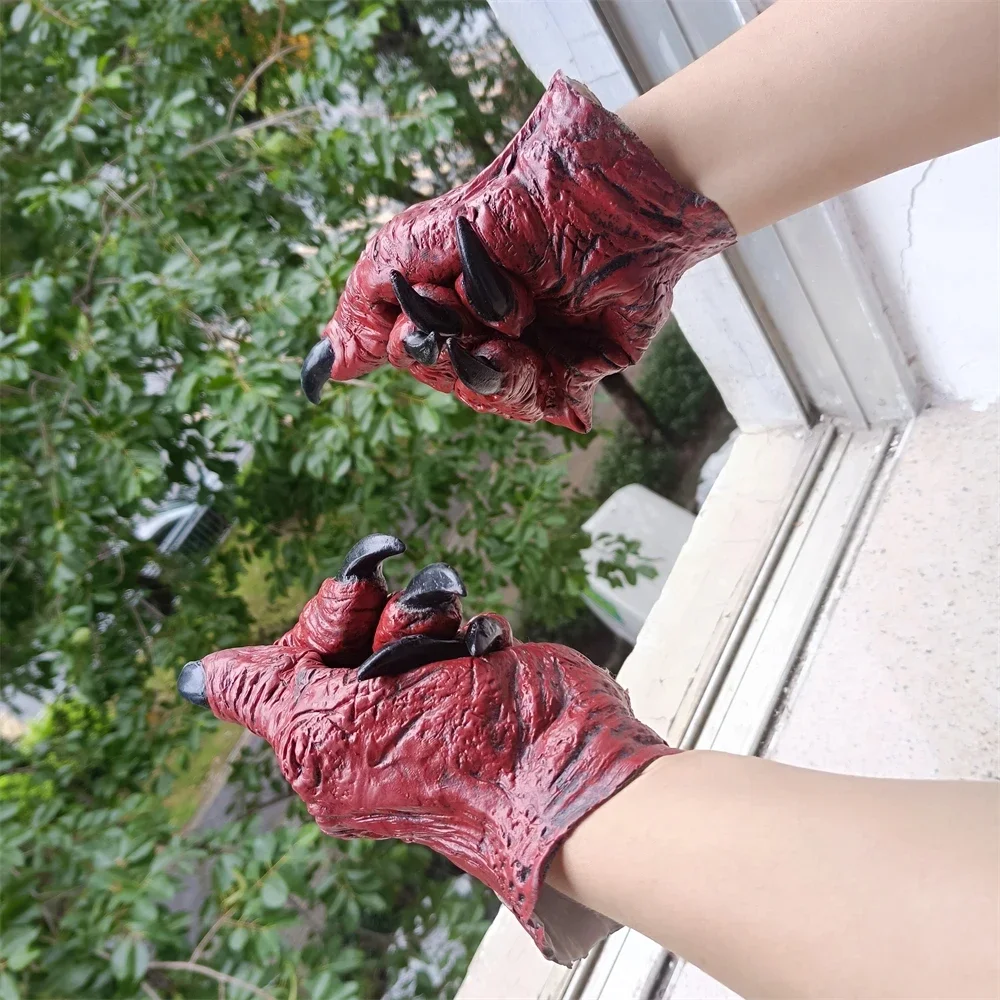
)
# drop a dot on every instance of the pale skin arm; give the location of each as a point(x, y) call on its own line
point(785, 882)
point(813, 98)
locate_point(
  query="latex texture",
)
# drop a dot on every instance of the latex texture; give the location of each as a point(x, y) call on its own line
point(521, 289)
point(491, 760)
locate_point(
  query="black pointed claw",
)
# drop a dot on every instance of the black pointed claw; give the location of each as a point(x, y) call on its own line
point(484, 635)
point(487, 288)
point(422, 346)
point(191, 683)
point(364, 561)
point(408, 653)
point(433, 585)
point(479, 375)
point(425, 314)
point(316, 370)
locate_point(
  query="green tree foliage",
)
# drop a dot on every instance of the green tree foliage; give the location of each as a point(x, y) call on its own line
point(186, 185)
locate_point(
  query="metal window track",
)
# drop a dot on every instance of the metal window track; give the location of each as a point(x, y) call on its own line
point(737, 708)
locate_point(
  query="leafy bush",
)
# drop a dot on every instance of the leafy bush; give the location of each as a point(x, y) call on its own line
point(676, 385)
point(630, 459)
point(186, 187)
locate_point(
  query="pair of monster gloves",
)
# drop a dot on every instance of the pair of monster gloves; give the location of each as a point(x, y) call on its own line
point(518, 292)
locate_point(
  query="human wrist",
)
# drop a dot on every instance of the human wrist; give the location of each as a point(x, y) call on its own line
point(684, 124)
point(586, 866)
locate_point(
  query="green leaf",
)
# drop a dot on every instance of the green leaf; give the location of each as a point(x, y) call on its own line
point(20, 16)
point(84, 133)
point(238, 939)
point(16, 947)
point(8, 987)
point(428, 420)
point(141, 958)
point(129, 959)
point(274, 891)
point(77, 197)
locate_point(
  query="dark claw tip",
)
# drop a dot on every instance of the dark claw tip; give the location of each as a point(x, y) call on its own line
point(485, 635)
point(316, 370)
point(191, 683)
point(408, 653)
point(434, 584)
point(364, 561)
point(422, 346)
point(487, 287)
point(475, 373)
point(424, 313)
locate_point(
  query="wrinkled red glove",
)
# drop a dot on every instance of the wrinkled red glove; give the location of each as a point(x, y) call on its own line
point(487, 750)
point(520, 290)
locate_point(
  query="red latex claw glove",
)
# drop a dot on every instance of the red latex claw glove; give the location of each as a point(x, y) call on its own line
point(487, 750)
point(520, 290)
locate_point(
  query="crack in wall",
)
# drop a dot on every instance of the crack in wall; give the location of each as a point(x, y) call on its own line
point(903, 275)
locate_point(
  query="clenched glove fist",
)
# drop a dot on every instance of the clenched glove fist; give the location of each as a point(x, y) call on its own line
point(520, 290)
point(391, 719)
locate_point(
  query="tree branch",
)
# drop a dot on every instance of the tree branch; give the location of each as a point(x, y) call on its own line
point(149, 991)
point(276, 41)
point(147, 639)
point(125, 205)
point(14, 560)
point(250, 127)
point(221, 977)
point(46, 9)
point(260, 806)
point(636, 410)
point(199, 948)
point(251, 79)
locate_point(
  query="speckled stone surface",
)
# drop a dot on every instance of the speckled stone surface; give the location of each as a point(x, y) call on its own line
point(903, 680)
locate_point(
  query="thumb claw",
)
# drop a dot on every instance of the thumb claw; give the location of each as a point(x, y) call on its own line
point(316, 369)
point(191, 683)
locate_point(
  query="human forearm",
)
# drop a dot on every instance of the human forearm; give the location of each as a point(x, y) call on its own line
point(813, 98)
point(780, 881)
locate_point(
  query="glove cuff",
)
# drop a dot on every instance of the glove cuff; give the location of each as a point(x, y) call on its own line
point(580, 745)
point(566, 931)
point(572, 138)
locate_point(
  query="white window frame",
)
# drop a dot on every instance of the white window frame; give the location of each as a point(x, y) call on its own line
point(791, 330)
